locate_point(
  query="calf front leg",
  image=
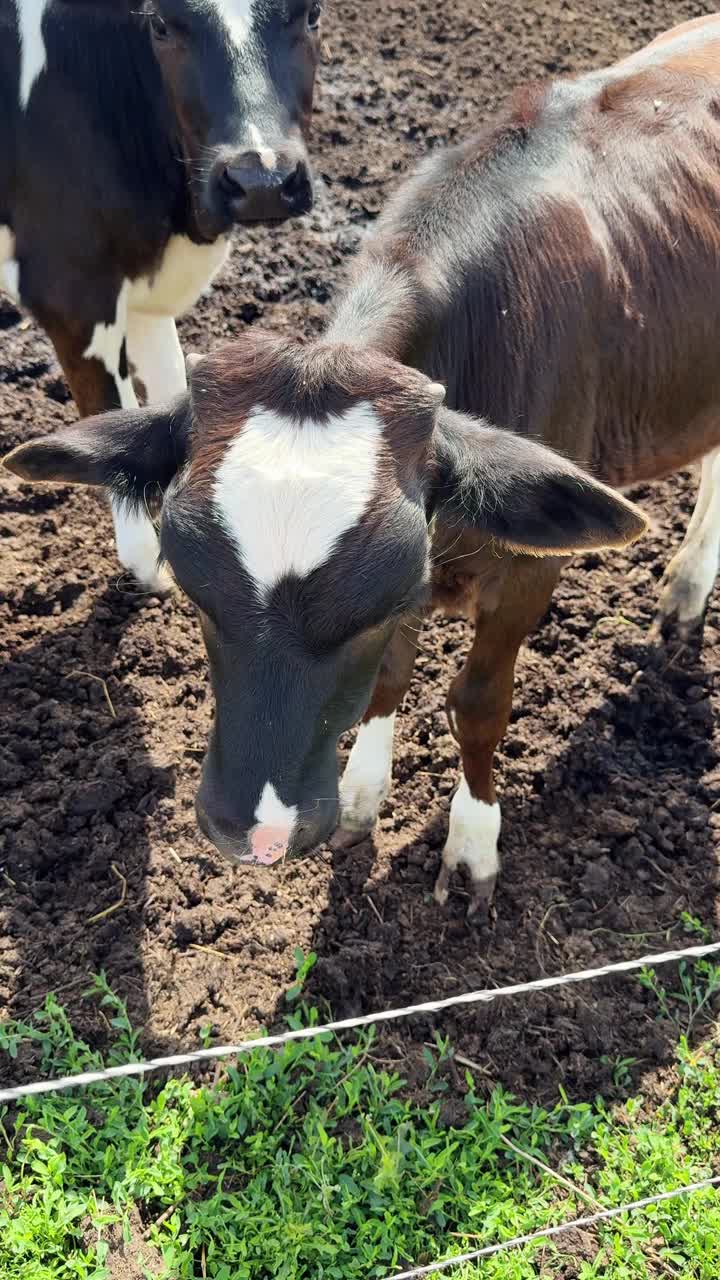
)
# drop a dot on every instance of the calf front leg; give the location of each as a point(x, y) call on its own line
point(94, 358)
point(478, 709)
point(367, 778)
point(690, 575)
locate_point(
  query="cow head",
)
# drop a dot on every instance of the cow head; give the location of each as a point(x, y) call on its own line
point(239, 75)
point(300, 487)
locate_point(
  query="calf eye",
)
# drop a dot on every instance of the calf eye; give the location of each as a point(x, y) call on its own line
point(314, 16)
point(159, 26)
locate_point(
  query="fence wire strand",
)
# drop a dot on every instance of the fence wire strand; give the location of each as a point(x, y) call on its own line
point(485, 996)
point(605, 1216)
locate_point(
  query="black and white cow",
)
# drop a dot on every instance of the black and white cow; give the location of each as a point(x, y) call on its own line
point(559, 274)
point(133, 135)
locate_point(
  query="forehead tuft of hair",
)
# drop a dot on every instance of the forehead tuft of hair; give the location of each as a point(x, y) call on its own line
point(306, 382)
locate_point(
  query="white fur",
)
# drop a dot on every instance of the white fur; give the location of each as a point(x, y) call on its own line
point(185, 271)
point(106, 344)
point(144, 316)
point(138, 547)
point(268, 158)
point(690, 575)
point(155, 351)
point(287, 491)
point(9, 268)
point(238, 19)
point(137, 542)
point(472, 838)
point(368, 774)
point(32, 46)
point(271, 812)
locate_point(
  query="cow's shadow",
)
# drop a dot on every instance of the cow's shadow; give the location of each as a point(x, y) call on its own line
point(78, 792)
point(590, 875)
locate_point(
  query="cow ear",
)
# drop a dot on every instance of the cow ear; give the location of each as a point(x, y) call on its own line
point(125, 450)
point(530, 498)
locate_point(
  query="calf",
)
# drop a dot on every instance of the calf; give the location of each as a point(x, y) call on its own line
point(133, 135)
point(559, 274)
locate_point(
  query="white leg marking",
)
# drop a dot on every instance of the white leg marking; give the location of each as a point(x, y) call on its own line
point(690, 575)
point(154, 349)
point(32, 46)
point(268, 158)
point(137, 542)
point(106, 346)
point(9, 268)
point(138, 547)
point(472, 841)
point(368, 775)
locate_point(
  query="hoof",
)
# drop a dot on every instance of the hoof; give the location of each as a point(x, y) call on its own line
point(482, 902)
point(347, 838)
point(442, 886)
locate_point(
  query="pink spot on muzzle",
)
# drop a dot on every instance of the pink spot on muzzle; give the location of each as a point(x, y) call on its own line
point(267, 845)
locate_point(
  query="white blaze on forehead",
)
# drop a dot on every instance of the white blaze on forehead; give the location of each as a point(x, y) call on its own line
point(32, 46)
point(238, 17)
point(286, 492)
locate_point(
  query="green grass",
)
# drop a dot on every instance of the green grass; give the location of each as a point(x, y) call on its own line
point(315, 1162)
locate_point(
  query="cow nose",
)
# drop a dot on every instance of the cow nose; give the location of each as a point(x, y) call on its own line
point(252, 192)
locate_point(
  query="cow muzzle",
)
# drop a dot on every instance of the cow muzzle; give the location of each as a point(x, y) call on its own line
point(266, 845)
point(261, 186)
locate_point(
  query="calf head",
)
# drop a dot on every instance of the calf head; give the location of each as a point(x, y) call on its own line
point(300, 484)
point(239, 75)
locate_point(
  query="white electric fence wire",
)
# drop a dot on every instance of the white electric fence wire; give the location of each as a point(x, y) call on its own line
point(518, 1241)
point(83, 1078)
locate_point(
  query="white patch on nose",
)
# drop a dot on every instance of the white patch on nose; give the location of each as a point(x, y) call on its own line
point(271, 836)
point(287, 491)
point(268, 158)
point(9, 268)
point(32, 46)
point(106, 346)
point(272, 812)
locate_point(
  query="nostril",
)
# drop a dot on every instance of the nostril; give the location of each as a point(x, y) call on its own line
point(295, 187)
point(230, 184)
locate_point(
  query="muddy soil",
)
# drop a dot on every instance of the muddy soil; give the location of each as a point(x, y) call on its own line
point(610, 772)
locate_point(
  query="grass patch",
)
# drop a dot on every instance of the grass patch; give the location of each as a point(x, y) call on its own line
point(315, 1162)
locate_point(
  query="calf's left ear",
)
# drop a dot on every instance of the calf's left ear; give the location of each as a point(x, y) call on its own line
point(530, 498)
point(125, 450)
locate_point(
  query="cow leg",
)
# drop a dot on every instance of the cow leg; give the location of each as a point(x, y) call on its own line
point(95, 361)
point(154, 349)
point(478, 709)
point(367, 778)
point(690, 575)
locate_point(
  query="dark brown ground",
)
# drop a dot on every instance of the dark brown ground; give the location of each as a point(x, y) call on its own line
point(610, 773)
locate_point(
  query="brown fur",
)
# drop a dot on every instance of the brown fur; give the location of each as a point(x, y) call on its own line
point(586, 313)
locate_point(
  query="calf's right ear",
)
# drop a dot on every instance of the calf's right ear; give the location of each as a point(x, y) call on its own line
point(525, 495)
point(125, 450)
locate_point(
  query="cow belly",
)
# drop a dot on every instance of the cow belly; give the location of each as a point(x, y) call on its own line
point(9, 270)
point(185, 271)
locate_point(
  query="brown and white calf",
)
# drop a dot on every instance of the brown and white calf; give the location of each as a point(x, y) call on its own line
point(559, 275)
point(133, 135)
